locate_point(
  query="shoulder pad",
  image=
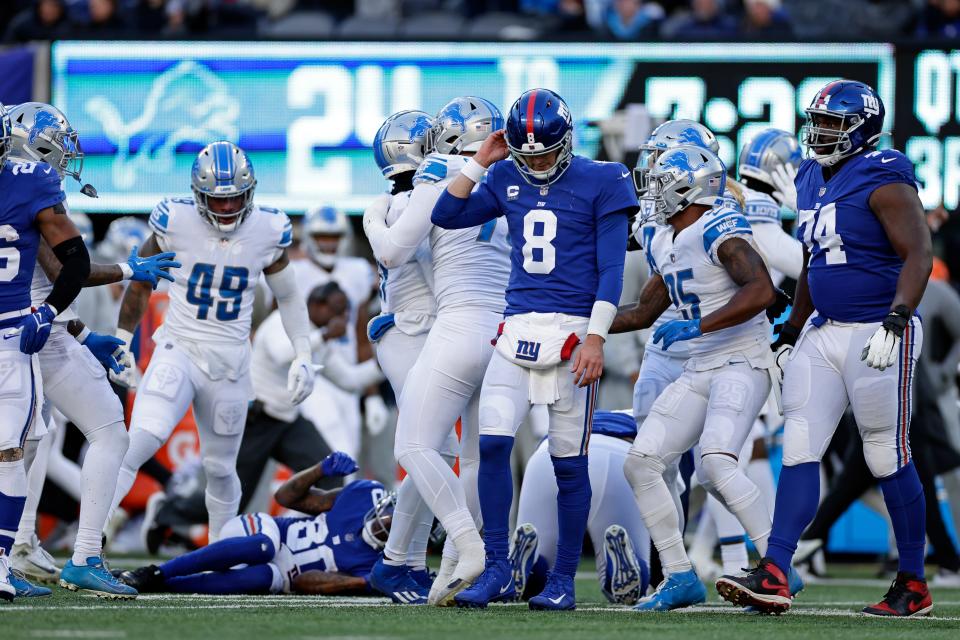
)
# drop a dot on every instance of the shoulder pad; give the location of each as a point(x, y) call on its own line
point(279, 223)
point(720, 223)
point(160, 217)
point(437, 167)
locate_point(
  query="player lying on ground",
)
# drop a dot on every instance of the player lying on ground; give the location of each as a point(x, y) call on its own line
point(329, 551)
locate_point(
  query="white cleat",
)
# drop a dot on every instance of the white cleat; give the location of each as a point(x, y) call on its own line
point(444, 576)
point(806, 549)
point(622, 566)
point(34, 562)
point(7, 590)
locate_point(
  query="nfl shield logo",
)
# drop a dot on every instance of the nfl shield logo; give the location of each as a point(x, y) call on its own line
point(823, 190)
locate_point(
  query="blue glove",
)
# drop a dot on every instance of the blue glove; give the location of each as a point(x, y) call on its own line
point(35, 329)
point(677, 330)
point(106, 349)
point(152, 268)
point(338, 463)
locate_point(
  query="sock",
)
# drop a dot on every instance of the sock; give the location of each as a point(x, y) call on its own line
point(101, 466)
point(659, 513)
point(255, 580)
point(36, 474)
point(705, 537)
point(798, 496)
point(143, 445)
point(573, 508)
point(439, 486)
point(761, 474)
point(13, 495)
point(220, 511)
point(470, 479)
point(733, 555)
point(495, 486)
point(903, 494)
point(408, 513)
point(257, 549)
point(740, 498)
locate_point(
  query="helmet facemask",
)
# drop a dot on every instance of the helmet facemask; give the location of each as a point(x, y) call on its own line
point(227, 221)
point(828, 145)
point(530, 151)
point(377, 521)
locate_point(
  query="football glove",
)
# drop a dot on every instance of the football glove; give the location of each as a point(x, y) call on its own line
point(107, 349)
point(786, 190)
point(780, 305)
point(375, 414)
point(300, 379)
point(338, 463)
point(782, 346)
point(129, 375)
point(881, 349)
point(35, 328)
point(676, 330)
point(152, 268)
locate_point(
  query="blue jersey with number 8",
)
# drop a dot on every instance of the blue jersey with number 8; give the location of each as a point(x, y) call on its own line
point(853, 269)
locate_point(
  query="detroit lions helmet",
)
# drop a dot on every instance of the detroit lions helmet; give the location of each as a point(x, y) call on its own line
point(6, 135)
point(463, 124)
point(683, 176)
point(540, 123)
point(323, 228)
point(769, 149)
point(123, 234)
point(857, 113)
point(671, 133)
point(402, 142)
point(221, 171)
point(376, 523)
point(41, 133)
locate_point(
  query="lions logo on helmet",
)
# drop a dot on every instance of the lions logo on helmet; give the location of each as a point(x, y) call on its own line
point(769, 149)
point(223, 183)
point(402, 142)
point(670, 134)
point(540, 136)
point(463, 124)
point(844, 118)
point(41, 133)
point(683, 176)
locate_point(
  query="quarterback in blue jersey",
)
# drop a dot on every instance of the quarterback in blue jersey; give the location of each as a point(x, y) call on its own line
point(852, 339)
point(329, 551)
point(567, 218)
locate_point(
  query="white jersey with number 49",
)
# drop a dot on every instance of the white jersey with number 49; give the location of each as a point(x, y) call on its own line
point(211, 301)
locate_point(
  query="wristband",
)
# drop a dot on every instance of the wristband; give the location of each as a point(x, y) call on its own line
point(473, 170)
point(126, 270)
point(601, 317)
point(83, 335)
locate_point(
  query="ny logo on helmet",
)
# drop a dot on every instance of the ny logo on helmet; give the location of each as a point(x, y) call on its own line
point(871, 105)
point(563, 112)
point(527, 350)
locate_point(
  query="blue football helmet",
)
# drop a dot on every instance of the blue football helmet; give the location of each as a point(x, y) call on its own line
point(540, 123)
point(682, 176)
point(765, 152)
point(858, 114)
point(402, 142)
point(671, 133)
point(6, 135)
point(223, 170)
point(463, 124)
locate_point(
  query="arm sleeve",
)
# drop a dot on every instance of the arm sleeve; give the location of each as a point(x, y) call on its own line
point(462, 213)
point(73, 255)
point(611, 253)
point(393, 246)
point(779, 249)
point(293, 309)
point(350, 377)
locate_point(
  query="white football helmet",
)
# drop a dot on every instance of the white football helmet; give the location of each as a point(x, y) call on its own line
point(323, 229)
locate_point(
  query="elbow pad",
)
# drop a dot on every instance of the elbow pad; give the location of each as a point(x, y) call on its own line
point(73, 255)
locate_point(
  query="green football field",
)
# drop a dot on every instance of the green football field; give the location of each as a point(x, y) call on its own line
point(824, 611)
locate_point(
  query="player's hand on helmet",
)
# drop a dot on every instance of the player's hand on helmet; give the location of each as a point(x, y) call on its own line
point(34, 329)
point(785, 191)
point(152, 268)
point(300, 379)
point(675, 331)
point(107, 349)
point(493, 149)
point(375, 414)
point(588, 363)
point(881, 349)
point(129, 375)
point(781, 304)
point(338, 463)
point(377, 211)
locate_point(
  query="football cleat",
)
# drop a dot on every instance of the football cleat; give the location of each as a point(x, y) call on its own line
point(7, 590)
point(146, 579)
point(806, 549)
point(24, 588)
point(423, 577)
point(794, 582)
point(94, 578)
point(495, 584)
point(523, 553)
point(34, 562)
point(907, 597)
point(764, 588)
point(397, 583)
point(444, 577)
point(623, 579)
point(677, 590)
point(558, 594)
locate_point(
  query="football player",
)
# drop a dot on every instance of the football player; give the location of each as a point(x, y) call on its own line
point(567, 218)
point(329, 551)
point(225, 242)
point(31, 208)
point(470, 272)
point(706, 265)
point(852, 339)
point(620, 541)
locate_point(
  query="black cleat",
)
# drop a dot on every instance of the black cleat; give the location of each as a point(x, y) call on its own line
point(147, 579)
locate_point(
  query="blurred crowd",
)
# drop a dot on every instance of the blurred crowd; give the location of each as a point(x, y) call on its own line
point(626, 20)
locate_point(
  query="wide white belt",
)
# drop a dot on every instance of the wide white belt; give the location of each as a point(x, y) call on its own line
point(15, 314)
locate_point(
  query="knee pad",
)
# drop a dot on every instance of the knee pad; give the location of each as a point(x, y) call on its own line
point(797, 446)
point(498, 414)
point(884, 453)
point(218, 467)
point(716, 470)
point(643, 471)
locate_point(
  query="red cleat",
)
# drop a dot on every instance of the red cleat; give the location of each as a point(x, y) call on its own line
point(765, 588)
point(908, 596)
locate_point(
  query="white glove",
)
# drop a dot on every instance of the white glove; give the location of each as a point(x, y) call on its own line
point(377, 414)
point(881, 349)
point(780, 357)
point(376, 213)
point(130, 376)
point(300, 379)
point(786, 190)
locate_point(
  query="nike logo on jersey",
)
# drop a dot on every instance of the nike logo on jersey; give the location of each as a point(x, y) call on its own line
point(47, 170)
point(558, 599)
point(625, 175)
point(886, 160)
point(11, 335)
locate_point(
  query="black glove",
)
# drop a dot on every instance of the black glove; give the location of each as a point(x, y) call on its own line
point(779, 305)
point(787, 336)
